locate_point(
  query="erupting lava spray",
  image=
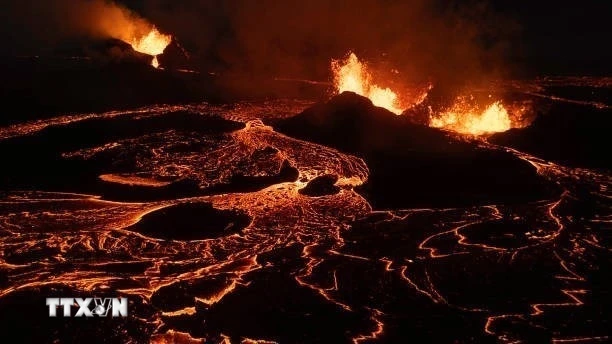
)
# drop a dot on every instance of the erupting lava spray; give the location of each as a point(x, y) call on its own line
point(352, 75)
point(464, 117)
point(469, 119)
point(154, 43)
point(104, 19)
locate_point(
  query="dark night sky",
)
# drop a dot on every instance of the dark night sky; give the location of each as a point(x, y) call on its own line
point(420, 37)
point(564, 36)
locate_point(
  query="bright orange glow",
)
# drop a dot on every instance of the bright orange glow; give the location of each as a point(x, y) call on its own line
point(154, 43)
point(468, 119)
point(352, 75)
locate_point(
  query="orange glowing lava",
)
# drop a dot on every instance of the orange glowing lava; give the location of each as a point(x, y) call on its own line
point(352, 75)
point(468, 119)
point(154, 43)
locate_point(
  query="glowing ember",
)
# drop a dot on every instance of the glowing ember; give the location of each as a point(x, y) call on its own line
point(352, 75)
point(469, 120)
point(154, 43)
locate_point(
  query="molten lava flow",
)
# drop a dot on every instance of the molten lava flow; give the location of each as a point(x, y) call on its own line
point(467, 119)
point(352, 75)
point(154, 43)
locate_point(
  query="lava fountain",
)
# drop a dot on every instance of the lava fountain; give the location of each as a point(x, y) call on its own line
point(154, 43)
point(352, 75)
point(464, 116)
point(469, 119)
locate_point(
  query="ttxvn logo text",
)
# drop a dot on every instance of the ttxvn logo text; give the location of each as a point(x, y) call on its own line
point(88, 307)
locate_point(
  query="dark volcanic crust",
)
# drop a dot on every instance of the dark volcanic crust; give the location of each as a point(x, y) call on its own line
point(413, 165)
point(572, 134)
point(320, 186)
point(191, 221)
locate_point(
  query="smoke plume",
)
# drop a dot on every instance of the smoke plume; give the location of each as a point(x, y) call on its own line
point(268, 38)
point(35, 26)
